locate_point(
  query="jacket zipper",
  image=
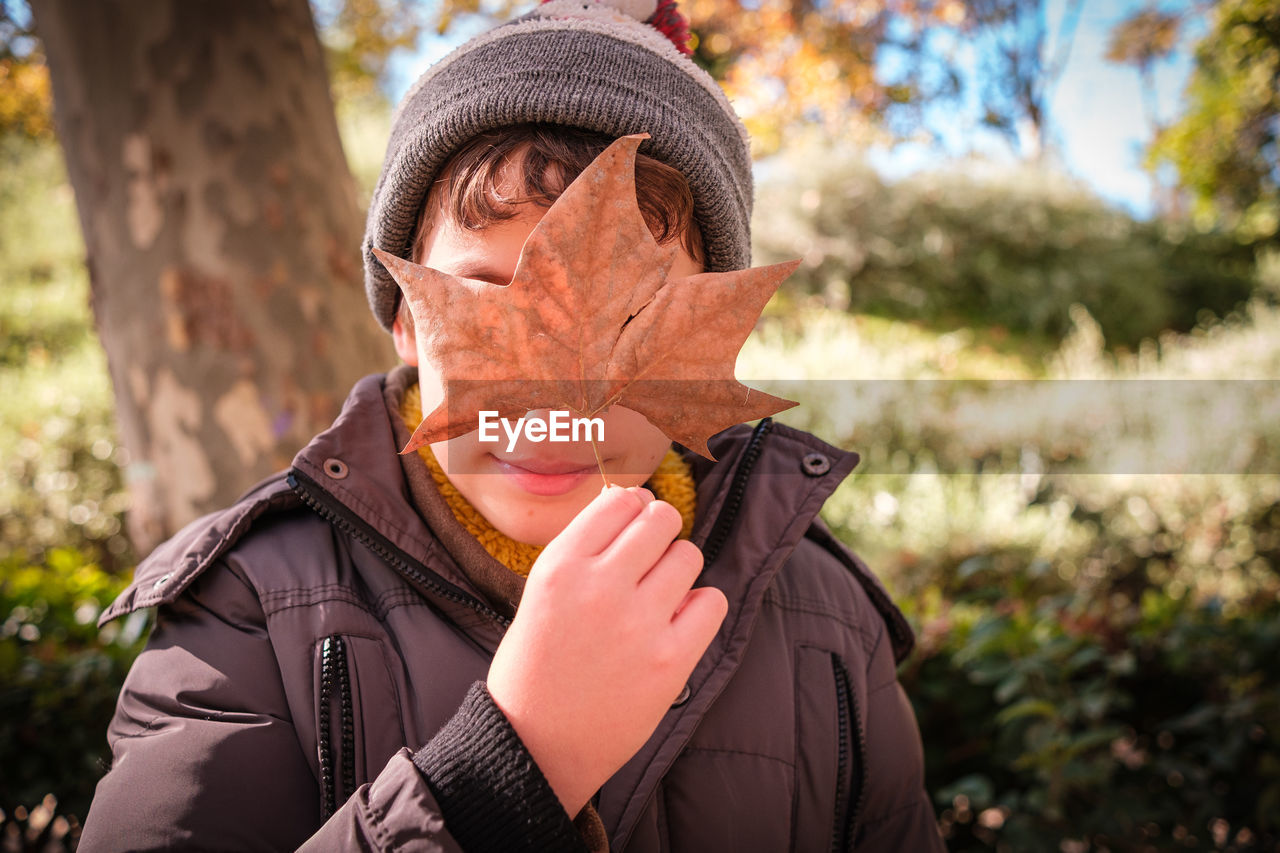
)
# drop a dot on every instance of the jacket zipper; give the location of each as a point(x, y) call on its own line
point(737, 489)
point(336, 513)
point(852, 749)
point(335, 676)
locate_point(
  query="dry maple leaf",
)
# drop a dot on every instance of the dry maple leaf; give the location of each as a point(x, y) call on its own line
point(590, 320)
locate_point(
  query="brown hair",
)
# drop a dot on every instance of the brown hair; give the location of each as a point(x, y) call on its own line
point(483, 181)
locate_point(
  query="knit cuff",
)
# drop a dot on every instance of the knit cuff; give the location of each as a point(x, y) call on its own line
point(490, 790)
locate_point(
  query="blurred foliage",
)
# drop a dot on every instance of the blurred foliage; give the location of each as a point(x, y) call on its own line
point(868, 72)
point(62, 503)
point(59, 676)
point(1014, 249)
point(1088, 725)
point(1145, 38)
point(1226, 145)
point(42, 828)
point(786, 63)
point(359, 37)
point(364, 132)
point(25, 98)
point(61, 484)
point(1196, 534)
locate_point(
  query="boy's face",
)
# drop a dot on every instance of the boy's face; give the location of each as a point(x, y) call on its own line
point(533, 490)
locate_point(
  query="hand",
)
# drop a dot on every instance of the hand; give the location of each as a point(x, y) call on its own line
point(606, 635)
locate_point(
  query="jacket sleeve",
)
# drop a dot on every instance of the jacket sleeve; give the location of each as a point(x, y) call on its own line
point(205, 755)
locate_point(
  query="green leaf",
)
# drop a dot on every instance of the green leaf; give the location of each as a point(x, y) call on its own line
point(1027, 708)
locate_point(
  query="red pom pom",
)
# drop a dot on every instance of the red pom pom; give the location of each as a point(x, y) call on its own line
point(668, 21)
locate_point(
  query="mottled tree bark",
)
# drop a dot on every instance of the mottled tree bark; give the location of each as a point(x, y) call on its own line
point(223, 232)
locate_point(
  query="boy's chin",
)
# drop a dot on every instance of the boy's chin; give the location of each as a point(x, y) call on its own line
point(536, 520)
point(531, 504)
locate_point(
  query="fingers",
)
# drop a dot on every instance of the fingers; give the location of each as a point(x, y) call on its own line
point(644, 541)
point(698, 618)
point(608, 514)
point(668, 582)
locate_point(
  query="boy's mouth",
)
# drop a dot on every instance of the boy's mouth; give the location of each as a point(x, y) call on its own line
point(546, 477)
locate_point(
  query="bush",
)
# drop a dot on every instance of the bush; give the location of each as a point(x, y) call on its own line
point(1057, 726)
point(59, 678)
point(1122, 696)
point(1015, 250)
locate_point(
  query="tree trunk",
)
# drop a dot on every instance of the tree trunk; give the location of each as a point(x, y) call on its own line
point(223, 230)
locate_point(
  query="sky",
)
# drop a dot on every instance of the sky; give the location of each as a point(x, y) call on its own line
point(1099, 106)
point(1096, 107)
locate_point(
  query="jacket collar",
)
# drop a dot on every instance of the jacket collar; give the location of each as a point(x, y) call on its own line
point(356, 462)
point(352, 472)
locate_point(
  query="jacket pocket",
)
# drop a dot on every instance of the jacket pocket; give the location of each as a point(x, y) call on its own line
point(829, 754)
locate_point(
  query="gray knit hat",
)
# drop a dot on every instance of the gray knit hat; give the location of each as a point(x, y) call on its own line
point(586, 64)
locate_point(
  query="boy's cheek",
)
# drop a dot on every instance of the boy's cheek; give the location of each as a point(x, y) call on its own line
point(638, 444)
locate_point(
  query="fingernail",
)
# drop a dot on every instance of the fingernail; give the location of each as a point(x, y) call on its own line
point(643, 493)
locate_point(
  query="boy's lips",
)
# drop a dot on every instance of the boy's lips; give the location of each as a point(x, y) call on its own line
point(548, 464)
point(546, 476)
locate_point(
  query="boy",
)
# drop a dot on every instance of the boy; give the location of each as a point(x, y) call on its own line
point(352, 657)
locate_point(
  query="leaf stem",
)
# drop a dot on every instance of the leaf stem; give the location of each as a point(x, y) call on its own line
point(599, 462)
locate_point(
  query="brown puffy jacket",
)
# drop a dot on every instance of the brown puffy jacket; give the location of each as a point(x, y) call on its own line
point(312, 636)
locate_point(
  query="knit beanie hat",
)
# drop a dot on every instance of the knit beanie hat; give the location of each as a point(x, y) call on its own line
point(595, 65)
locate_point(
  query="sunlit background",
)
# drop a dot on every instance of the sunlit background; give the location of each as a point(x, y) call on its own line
point(993, 189)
